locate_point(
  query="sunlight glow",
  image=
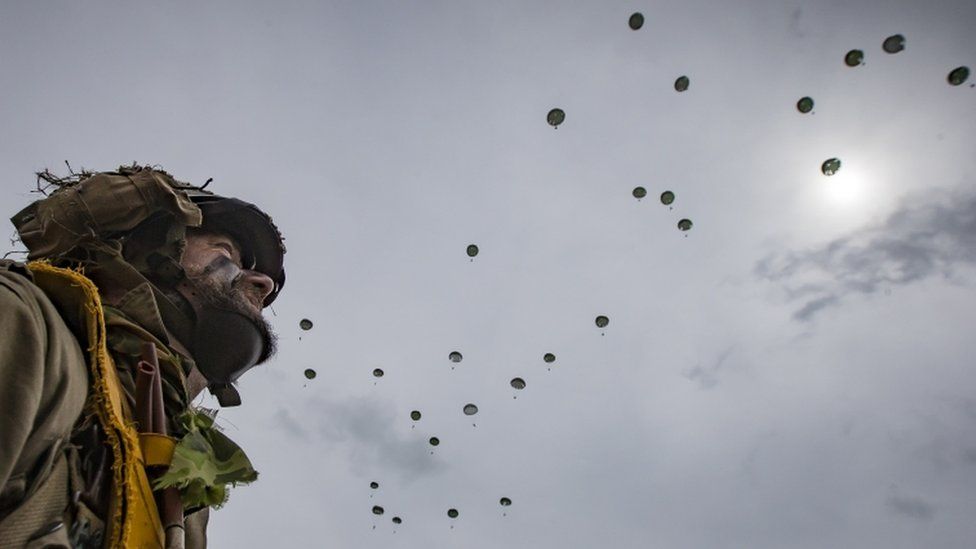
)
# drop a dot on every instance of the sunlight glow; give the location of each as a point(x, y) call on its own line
point(848, 187)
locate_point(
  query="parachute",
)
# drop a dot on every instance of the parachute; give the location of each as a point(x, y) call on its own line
point(854, 58)
point(639, 192)
point(830, 166)
point(415, 415)
point(549, 357)
point(804, 105)
point(397, 520)
point(681, 84)
point(636, 21)
point(684, 225)
point(454, 356)
point(958, 75)
point(602, 321)
point(555, 117)
point(377, 373)
point(374, 485)
point(377, 510)
point(452, 513)
point(667, 197)
point(434, 441)
point(472, 250)
point(518, 383)
point(310, 373)
point(893, 44)
point(470, 409)
point(305, 324)
point(505, 502)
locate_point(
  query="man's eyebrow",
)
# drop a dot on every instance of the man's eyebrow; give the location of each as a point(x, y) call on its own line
point(219, 238)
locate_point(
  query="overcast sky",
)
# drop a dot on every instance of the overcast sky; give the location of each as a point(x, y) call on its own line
point(795, 371)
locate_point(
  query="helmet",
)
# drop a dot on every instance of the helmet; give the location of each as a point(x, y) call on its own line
point(147, 210)
point(262, 246)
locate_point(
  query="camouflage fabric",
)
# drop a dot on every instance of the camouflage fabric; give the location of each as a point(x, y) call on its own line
point(206, 463)
point(91, 208)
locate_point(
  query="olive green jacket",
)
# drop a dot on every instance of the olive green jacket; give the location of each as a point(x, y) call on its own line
point(44, 384)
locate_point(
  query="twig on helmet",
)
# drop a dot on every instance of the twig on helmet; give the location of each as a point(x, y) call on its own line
point(52, 180)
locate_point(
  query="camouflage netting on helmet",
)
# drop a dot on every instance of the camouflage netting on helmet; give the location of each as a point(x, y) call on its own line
point(88, 211)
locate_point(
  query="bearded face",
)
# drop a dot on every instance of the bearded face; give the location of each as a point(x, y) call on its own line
point(219, 287)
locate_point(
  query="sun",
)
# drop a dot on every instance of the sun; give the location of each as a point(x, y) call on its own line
point(848, 187)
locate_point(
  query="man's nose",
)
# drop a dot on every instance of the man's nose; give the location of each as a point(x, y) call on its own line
point(260, 282)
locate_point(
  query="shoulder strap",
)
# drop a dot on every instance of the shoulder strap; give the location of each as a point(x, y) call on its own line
point(133, 519)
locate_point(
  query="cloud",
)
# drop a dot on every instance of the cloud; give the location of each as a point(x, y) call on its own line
point(795, 18)
point(365, 429)
point(926, 236)
point(290, 425)
point(707, 377)
point(909, 506)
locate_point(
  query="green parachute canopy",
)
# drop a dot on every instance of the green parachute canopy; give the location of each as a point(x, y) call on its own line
point(310, 373)
point(685, 225)
point(452, 513)
point(415, 415)
point(854, 58)
point(305, 324)
point(470, 409)
point(549, 357)
point(518, 383)
point(636, 21)
point(377, 510)
point(602, 321)
point(434, 441)
point(804, 105)
point(958, 75)
point(667, 197)
point(374, 485)
point(893, 44)
point(454, 356)
point(555, 117)
point(505, 502)
point(639, 192)
point(830, 166)
point(472, 250)
point(681, 84)
point(378, 373)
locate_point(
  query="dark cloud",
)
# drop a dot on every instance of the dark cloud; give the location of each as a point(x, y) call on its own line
point(707, 376)
point(365, 428)
point(927, 235)
point(290, 425)
point(795, 18)
point(909, 506)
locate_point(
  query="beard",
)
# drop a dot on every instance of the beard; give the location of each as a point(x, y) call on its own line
point(234, 296)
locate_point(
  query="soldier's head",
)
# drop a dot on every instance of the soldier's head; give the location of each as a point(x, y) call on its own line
point(218, 259)
point(227, 295)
